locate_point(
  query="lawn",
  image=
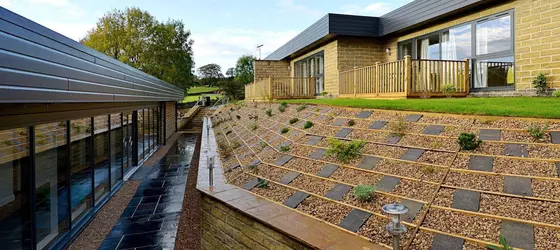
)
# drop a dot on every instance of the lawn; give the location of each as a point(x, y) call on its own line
point(543, 107)
point(201, 90)
point(194, 98)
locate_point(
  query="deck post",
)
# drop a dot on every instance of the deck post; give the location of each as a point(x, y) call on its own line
point(377, 78)
point(312, 86)
point(270, 88)
point(407, 74)
point(292, 82)
point(354, 82)
point(467, 75)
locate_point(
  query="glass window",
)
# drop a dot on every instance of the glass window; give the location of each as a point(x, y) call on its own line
point(80, 167)
point(493, 35)
point(127, 123)
point(51, 187)
point(15, 210)
point(405, 49)
point(147, 141)
point(101, 156)
point(140, 134)
point(428, 47)
point(116, 149)
point(497, 72)
point(456, 43)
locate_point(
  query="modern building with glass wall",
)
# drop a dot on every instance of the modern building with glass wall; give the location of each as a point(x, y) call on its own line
point(74, 124)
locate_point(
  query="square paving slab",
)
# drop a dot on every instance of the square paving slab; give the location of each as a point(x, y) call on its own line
point(339, 122)
point(481, 163)
point(343, 132)
point(364, 114)
point(307, 114)
point(296, 198)
point(313, 140)
point(354, 220)
point(433, 129)
point(555, 136)
point(369, 162)
point(445, 242)
point(519, 235)
point(338, 192)
point(378, 125)
point(387, 183)
point(283, 160)
point(251, 184)
point(490, 135)
point(325, 110)
point(413, 117)
point(318, 154)
point(284, 144)
point(466, 200)
point(413, 209)
point(517, 185)
point(558, 168)
point(393, 138)
point(412, 154)
point(327, 170)
point(255, 163)
point(289, 177)
point(519, 150)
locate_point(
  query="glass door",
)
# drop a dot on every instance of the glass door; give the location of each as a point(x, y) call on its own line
point(128, 141)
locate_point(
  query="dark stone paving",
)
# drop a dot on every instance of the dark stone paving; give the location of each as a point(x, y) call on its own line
point(364, 114)
point(251, 184)
point(354, 220)
point(296, 198)
point(273, 139)
point(369, 162)
point(519, 235)
point(255, 163)
point(387, 183)
point(228, 169)
point(433, 129)
point(339, 122)
point(490, 135)
point(393, 138)
point(289, 177)
point(152, 217)
point(327, 170)
point(318, 154)
point(413, 209)
point(313, 140)
point(445, 242)
point(519, 150)
point(338, 192)
point(558, 168)
point(307, 114)
point(555, 136)
point(343, 132)
point(283, 160)
point(325, 110)
point(481, 163)
point(412, 154)
point(413, 117)
point(378, 125)
point(466, 200)
point(517, 185)
point(284, 144)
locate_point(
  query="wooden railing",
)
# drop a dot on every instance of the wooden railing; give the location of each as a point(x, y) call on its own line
point(405, 78)
point(281, 88)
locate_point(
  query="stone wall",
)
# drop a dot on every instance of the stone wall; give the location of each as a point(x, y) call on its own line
point(225, 228)
point(265, 68)
point(331, 65)
point(359, 52)
point(170, 121)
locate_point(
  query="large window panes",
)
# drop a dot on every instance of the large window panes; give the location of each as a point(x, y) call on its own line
point(51, 185)
point(140, 123)
point(81, 151)
point(428, 47)
point(496, 72)
point(312, 66)
point(128, 141)
point(456, 43)
point(116, 149)
point(147, 139)
point(101, 156)
point(494, 35)
point(15, 222)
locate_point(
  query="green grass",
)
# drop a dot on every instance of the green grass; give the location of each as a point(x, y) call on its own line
point(542, 107)
point(201, 90)
point(194, 98)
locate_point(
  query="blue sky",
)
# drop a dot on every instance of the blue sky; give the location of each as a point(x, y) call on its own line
point(222, 30)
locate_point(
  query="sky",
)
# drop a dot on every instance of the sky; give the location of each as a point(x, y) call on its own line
point(222, 30)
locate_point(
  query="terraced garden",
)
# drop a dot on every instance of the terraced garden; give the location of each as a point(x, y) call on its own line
point(299, 156)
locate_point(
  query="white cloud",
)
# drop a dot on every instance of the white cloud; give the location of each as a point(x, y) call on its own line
point(75, 31)
point(6, 3)
point(292, 7)
point(373, 9)
point(64, 5)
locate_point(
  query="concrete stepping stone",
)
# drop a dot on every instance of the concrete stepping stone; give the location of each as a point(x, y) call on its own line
point(413, 117)
point(364, 114)
point(517, 185)
point(343, 132)
point(289, 177)
point(307, 114)
point(313, 140)
point(519, 235)
point(300, 124)
point(466, 200)
point(327, 170)
point(490, 135)
point(519, 150)
point(229, 169)
point(251, 184)
point(325, 110)
point(284, 144)
point(433, 129)
point(378, 124)
point(412, 154)
point(413, 208)
point(354, 220)
point(555, 136)
point(339, 122)
point(393, 138)
point(387, 183)
point(446, 242)
point(338, 192)
point(296, 198)
point(318, 154)
point(283, 160)
point(369, 162)
point(481, 163)
point(558, 168)
point(255, 163)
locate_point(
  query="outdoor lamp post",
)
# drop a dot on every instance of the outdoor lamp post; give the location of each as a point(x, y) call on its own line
point(395, 227)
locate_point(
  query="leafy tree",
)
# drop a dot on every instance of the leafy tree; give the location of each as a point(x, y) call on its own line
point(230, 72)
point(232, 88)
point(210, 74)
point(136, 38)
point(244, 69)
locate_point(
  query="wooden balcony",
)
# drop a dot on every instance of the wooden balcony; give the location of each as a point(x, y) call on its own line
point(281, 88)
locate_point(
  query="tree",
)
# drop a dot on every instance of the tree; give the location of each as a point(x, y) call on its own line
point(232, 88)
point(244, 69)
point(230, 72)
point(136, 38)
point(210, 74)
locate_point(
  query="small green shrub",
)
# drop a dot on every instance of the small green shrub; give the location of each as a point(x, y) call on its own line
point(307, 125)
point(364, 193)
point(503, 242)
point(540, 83)
point(284, 104)
point(268, 112)
point(345, 151)
point(263, 144)
point(238, 117)
point(284, 130)
point(284, 149)
point(317, 109)
point(301, 107)
point(254, 126)
point(537, 131)
point(324, 93)
point(428, 169)
point(398, 126)
point(294, 120)
point(281, 108)
point(448, 90)
point(235, 144)
point(262, 184)
point(556, 93)
point(468, 141)
point(351, 123)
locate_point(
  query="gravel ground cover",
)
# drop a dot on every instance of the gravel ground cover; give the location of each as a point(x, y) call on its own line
point(523, 136)
point(546, 238)
point(274, 192)
point(411, 170)
point(356, 177)
point(437, 158)
point(548, 189)
point(431, 142)
point(415, 190)
point(328, 211)
point(444, 197)
point(471, 226)
point(269, 172)
point(533, 210)
point(366, 135)
point(384, 150)
point(447, 120)
point(475, 181)
point(304, 165)
point(312, 185)
point(544, 152)
point(374, 229)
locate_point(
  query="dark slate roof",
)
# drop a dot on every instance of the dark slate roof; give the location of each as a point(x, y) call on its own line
point(38, 65)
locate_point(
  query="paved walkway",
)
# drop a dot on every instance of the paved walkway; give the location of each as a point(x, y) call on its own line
point(152, 217)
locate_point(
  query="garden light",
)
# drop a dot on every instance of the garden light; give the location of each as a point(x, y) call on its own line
point(395, 227)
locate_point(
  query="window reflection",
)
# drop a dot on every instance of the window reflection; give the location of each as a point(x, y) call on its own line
point(80, 167)
point(456, 43)
point(405, 49)
point(101, 156)
point(140, 134)
point(428, 47)
point(498, 72)
point(116, 148)
point(493, 35)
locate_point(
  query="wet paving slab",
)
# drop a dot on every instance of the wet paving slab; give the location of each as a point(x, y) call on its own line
point(152, 217)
